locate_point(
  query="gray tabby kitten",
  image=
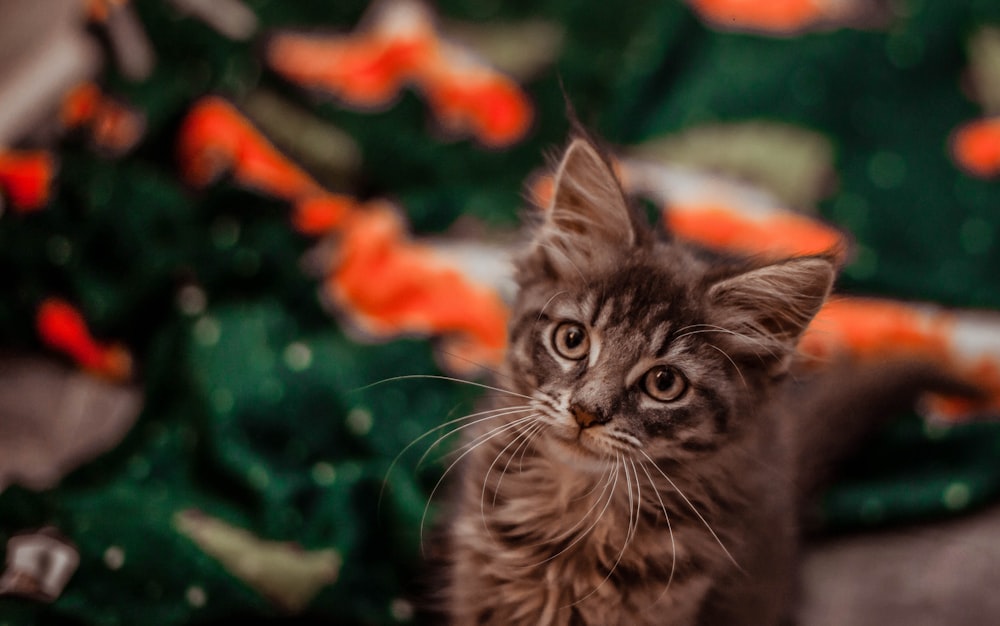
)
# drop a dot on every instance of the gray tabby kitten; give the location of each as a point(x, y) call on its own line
point(644, 468)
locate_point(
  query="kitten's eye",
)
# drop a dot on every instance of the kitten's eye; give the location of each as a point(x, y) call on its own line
point(664, 383)
point(571, 341)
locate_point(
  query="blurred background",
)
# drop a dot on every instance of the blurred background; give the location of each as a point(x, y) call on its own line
point(223, 220)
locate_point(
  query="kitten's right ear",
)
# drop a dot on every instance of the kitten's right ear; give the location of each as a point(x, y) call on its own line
point(588, 219)
point(766, 310)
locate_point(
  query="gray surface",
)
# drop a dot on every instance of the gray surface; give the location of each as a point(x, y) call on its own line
point(54, 418)
point(937, 574)
point(44, 52)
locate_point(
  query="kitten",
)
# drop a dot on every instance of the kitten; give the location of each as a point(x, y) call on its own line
point(643, 467)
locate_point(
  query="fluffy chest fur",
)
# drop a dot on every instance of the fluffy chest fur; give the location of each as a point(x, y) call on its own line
point(537, 540)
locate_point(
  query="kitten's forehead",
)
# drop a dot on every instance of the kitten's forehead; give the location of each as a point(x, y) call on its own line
point(634, 321)
point(632, 294)
point(573, 306)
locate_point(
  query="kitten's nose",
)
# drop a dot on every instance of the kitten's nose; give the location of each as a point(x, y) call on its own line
point(585, 418)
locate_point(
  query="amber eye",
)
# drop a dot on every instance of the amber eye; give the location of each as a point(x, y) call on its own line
point(664, 383)
point(571, 341)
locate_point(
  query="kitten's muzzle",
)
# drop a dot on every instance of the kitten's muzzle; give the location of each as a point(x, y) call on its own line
point(586, 418)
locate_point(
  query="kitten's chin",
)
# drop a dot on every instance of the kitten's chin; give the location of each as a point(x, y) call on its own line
point(576, 455)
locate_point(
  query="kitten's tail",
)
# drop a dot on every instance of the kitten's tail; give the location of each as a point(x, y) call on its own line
point(838, 409)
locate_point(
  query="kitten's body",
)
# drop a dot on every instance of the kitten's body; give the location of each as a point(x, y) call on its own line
point(647, 468)
point(541, 539)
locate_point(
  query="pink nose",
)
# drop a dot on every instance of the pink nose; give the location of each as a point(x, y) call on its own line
point(585, 419)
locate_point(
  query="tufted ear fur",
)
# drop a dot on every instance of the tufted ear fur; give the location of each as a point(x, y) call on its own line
point(588, 220)
point(767, 309)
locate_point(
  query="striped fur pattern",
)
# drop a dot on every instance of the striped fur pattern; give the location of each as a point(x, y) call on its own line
point(637, 471)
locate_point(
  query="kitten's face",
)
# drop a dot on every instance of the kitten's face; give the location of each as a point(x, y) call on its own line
point(633, 346)
point(621, 365)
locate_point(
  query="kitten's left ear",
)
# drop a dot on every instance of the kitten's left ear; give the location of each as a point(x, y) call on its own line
point(588, 198)
point(588, 218)
point(767, 309)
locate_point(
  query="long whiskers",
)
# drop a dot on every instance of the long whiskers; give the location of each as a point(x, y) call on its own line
point(496, 413)
point(670, 530)
point(711, 328)
point(469, 448)
point(693, 509)
point(490, 414)
point(733, 363)
point(631, 529)
point(441, 377)
point(523, 447)
point(523, 436)
point(482, 366)
point(638, 498)
point(580, 536)
point(583, 518)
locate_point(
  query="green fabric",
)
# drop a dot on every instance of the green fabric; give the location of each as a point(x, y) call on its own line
point(256, 410)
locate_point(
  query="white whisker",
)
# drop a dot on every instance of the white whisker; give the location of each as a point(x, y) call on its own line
point(583, 518)
point(532, 432)
point(709, 328)
point(580, 537)
point(735, 367)
point(491, 413)
point(474, 445)
point(693, 508)
point(448, 378)
point(591, 490)
point(482, 366)
point(548, 302)
point(631, 528)
point(670, 530)
point(482, 496)
point(437, 442)
point(638, 497)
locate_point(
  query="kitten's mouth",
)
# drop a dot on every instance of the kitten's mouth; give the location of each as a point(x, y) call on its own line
point(582, 451)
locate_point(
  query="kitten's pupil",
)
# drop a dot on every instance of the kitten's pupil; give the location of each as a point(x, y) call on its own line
point(574, 337)
point(664, 379)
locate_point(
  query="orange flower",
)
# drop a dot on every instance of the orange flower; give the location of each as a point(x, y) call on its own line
point(62, 328)
point(485, 104)
point(80, 105)
point(318, 215)
point(777, 235)
point(402, 46)
point(26, 179)
point(365, 71)
point(872, 329)
point(976, 147)
point(366, 68)
point(775, 16)
point(98, 10)
point(389, 286)
point(382, 282)
point(114, 127)
point(216, 138)
point(965, 345)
